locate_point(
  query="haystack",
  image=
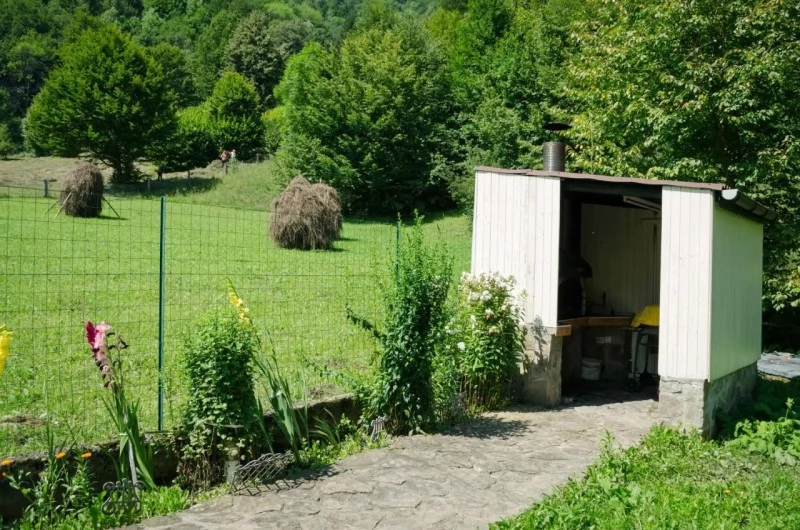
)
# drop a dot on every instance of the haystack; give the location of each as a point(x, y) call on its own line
point(306, 217)
point(82, 191)
point(330, 197)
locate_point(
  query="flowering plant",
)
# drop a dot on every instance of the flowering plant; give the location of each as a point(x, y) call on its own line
point(223, 419)
point(135, 456)
point(486, 338)
point(293, 425)
point(5, 343)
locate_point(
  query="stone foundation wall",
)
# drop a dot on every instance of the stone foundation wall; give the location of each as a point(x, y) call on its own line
point(728, 393)
point(698, 403)
point(541, 378)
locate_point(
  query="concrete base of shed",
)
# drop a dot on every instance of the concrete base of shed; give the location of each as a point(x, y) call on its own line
point(698, 403)
point(541, 383)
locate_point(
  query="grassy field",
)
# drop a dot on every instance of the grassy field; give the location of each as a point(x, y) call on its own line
point(56, 272)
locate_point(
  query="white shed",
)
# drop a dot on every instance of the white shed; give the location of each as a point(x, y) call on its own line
point(593, 251)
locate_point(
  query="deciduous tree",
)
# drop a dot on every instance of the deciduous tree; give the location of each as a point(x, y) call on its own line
point(371, 118)
point(109, 99)
point(704, 91)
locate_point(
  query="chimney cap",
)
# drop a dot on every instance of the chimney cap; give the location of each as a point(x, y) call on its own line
point(557, 126)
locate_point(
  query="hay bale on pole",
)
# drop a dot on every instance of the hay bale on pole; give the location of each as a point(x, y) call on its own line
point(305, 217)
point(82, 191)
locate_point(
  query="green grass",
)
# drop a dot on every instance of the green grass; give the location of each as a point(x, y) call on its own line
point(57, 272)
point(749, 479)
point(672, 481)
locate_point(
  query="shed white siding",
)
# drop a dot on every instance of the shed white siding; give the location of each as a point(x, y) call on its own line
point(685, 330)
point(515, 231)
point(735, 293)
point(623, 247)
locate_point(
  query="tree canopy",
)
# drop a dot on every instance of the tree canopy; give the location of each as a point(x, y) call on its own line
point(370, 119)
point(109, 99)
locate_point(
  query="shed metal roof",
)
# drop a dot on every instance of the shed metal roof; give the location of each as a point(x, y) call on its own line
point(730, 198)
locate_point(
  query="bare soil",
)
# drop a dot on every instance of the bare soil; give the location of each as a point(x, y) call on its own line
point(29, 172)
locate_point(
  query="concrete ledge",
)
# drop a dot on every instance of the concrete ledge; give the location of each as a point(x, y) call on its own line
point(783, 365)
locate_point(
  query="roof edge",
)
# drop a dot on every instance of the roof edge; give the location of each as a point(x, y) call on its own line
point(734, 199)
point(730, 198)
point(490, 169)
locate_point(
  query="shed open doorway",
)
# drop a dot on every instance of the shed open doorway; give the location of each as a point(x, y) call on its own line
point(609, 274)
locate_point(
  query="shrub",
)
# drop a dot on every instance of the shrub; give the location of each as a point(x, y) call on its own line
point(82, 191)
point(305, 217)
point(486, 338)
point(778, 439)
point(234, 117)
point(415, 316)
point(218, 362)
point(191, 146)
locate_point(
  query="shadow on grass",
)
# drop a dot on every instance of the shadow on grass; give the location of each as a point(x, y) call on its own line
point(168, 186)
point(106, 217)
point(768, 404)
point(430, 217)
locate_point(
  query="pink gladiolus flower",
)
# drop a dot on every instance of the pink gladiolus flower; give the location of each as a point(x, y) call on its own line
point(96, 336)
point(90, 333)
point(100, 336)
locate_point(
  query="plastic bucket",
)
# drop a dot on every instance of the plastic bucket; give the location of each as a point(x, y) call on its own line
point(590, 369)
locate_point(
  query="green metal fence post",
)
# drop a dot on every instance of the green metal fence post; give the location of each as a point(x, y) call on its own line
point(161, 283)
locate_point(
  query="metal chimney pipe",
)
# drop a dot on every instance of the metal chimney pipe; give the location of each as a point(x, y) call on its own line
point(554, 155)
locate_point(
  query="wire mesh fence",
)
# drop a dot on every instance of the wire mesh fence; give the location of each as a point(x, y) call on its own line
point(151, 267)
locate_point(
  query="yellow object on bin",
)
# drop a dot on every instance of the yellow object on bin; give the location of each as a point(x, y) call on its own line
point(646, 317)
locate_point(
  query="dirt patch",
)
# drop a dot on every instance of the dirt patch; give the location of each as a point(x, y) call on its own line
point(21, 419)
point(30, 172)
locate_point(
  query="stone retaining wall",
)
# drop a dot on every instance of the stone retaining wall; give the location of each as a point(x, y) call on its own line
point(165, 460)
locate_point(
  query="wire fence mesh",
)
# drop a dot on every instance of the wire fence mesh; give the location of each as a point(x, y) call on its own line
point(57, 272)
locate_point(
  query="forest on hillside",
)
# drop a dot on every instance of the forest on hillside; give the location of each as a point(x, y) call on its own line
point(394, 103)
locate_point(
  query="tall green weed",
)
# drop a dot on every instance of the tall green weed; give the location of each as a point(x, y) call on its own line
point(415, 315)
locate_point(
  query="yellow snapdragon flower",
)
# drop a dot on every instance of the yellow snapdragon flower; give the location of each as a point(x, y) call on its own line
point(5, 343)
point(238, 303)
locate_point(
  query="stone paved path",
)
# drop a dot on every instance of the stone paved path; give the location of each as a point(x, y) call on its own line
point(475, 474)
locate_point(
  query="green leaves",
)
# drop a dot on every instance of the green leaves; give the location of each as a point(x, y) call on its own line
point(234, 120)
point(369, 119)
point(702, 92)
point(109, 99)
point(779, 438)
point(415, 315)
point(218, 362)
point(485, 340)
